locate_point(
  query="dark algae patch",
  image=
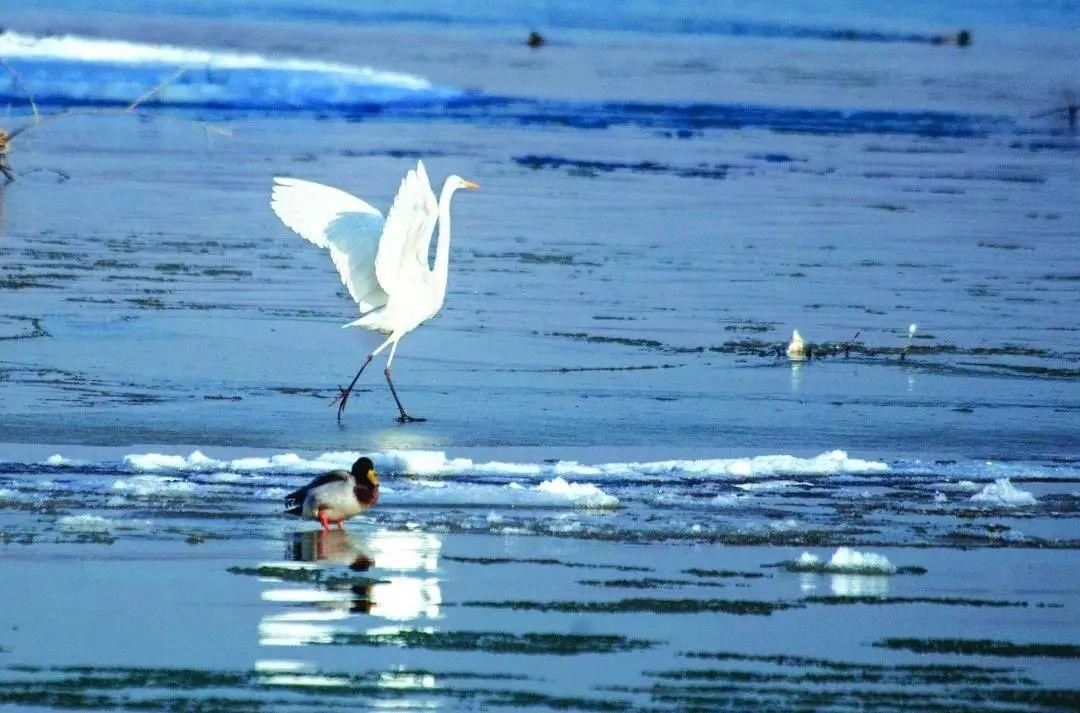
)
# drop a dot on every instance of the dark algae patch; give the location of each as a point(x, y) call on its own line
point(647, 583)
point(780, 682)
point(946, 601)
point(544, 561)
point(722, 573)
point(578, 167)
point(307, 575)
point(204, 691)
point(644, 605)
point(498, 642)
point(981, 647)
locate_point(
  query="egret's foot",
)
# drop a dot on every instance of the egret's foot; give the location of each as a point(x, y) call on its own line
point(406, 418)
point(340, 400)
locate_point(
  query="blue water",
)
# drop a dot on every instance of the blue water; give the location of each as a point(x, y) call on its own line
point(818, 19)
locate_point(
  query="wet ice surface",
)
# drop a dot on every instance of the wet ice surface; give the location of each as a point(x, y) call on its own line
point(199, 320)
point(619, 473)
point(827, 581)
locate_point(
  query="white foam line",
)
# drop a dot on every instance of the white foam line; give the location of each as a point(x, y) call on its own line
point(15, 45)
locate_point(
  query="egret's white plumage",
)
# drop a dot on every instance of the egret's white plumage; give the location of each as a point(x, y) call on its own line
point(383, 263)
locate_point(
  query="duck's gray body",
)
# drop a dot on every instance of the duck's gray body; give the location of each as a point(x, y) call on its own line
point(335, 496)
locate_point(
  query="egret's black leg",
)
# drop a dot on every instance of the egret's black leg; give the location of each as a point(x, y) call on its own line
point(402, 416)
point(343, 397)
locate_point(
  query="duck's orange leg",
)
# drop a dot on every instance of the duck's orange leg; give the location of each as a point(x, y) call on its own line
point(341, 524)
point(324, 521)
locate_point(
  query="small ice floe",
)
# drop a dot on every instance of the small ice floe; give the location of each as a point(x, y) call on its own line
point(145, 486)
point(582, 494)
point(940, 497)
point(725, 499)
point(844, 561)
point(85, 523)
point(796, 348)
point(770, 485)
point(160, 461)
point(1004, 494)
point(58, 460)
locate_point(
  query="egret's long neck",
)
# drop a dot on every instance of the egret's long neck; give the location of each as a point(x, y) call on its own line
point(442, 248)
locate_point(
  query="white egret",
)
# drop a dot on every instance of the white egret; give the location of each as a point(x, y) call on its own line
point(383, 263)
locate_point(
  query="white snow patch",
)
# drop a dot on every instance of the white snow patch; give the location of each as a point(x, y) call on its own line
point(436, 463)
point(59, 460)
point(845, 561)
point(158, 461)
point(1004, 493)
point(581, 494)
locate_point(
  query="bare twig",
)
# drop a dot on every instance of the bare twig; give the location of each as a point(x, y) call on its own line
point(22, 86)
point(107, 112)
point(7, 136)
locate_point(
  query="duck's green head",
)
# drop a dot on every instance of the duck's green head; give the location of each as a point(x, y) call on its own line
point(363, 468)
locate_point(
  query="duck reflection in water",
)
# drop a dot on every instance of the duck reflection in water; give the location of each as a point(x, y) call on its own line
point(330, 547)
point(407, 591)
point(336, 547)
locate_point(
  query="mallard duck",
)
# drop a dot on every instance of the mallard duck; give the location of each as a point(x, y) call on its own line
point(336, 496)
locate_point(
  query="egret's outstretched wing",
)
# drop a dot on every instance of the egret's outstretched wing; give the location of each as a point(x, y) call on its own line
point(402, 260)
point(342, 223)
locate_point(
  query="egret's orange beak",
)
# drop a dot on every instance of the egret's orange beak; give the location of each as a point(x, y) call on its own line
point(470, 184)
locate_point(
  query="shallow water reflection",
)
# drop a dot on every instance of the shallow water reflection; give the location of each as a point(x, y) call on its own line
point(320, 586)
point(333, 547)
point(859, 585)
point(796, 376)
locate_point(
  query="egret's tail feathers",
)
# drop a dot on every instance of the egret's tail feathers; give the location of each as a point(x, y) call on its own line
point(377, 319)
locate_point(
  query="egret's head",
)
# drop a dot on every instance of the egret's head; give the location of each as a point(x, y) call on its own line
point(453, 183)
point(364, 469)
